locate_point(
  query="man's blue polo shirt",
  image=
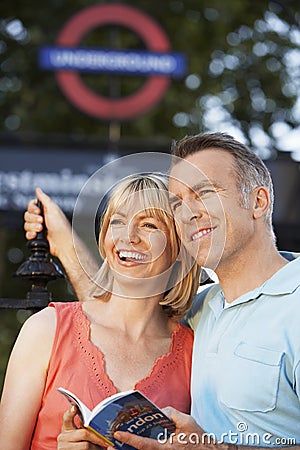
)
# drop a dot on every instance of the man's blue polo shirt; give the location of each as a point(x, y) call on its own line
point(246, 362)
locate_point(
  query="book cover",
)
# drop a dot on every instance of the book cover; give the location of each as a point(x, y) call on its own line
point(126, 411)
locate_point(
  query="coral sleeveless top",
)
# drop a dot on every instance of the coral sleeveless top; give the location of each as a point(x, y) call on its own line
point(78, 365)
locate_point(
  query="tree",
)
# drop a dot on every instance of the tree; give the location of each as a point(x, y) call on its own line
point(243, 75)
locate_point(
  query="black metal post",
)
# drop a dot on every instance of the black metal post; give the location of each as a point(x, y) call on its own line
point(39, 269)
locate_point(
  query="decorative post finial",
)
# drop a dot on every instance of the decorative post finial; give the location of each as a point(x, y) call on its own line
point(39, 268)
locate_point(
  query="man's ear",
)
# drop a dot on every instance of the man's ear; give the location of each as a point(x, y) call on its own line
point(261, 201)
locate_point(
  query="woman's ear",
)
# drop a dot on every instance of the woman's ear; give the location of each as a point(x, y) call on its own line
point(261, 202)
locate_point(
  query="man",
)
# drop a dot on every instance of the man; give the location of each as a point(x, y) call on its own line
point(246, 362)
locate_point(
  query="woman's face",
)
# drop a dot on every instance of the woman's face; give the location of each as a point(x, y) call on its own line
point(137, 243)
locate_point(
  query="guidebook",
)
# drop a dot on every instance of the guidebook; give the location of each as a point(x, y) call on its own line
point(125, 411)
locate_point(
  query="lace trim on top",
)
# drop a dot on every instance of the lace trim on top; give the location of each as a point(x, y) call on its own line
point(95, 362)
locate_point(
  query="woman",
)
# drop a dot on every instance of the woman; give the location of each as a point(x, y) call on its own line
point(126, 335)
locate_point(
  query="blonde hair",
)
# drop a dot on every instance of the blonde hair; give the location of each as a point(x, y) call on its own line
point(153, 195)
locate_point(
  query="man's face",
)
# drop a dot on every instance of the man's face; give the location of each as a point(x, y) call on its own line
point(206, 202)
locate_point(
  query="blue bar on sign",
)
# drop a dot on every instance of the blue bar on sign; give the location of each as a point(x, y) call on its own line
point(113, 61)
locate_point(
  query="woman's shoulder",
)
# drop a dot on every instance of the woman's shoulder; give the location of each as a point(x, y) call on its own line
point(42, 322)
point(37, 332)
point(46, 321)
point(186, 331)
point(183, 336)
point(59, 306)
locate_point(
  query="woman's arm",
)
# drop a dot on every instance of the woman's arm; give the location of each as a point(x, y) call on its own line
point(25, 380)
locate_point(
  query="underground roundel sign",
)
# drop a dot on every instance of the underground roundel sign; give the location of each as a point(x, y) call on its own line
point(68, 59)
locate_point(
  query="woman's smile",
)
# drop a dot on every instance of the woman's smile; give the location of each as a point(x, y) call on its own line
point(129, 257)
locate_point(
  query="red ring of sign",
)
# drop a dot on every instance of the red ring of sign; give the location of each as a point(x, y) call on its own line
point(96, 105)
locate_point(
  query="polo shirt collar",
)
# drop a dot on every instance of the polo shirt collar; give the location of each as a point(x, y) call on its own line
point(285, 281)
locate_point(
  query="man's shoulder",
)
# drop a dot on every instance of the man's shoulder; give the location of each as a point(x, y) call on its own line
point(205, 294)
point(199, 302)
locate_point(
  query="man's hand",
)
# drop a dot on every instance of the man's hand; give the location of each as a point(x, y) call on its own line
point(75, 257)
point(72, 437)
point(59, 232)
point(188, 436)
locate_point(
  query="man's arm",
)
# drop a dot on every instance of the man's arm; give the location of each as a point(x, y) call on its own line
point(188, 435)
point(78, 263)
